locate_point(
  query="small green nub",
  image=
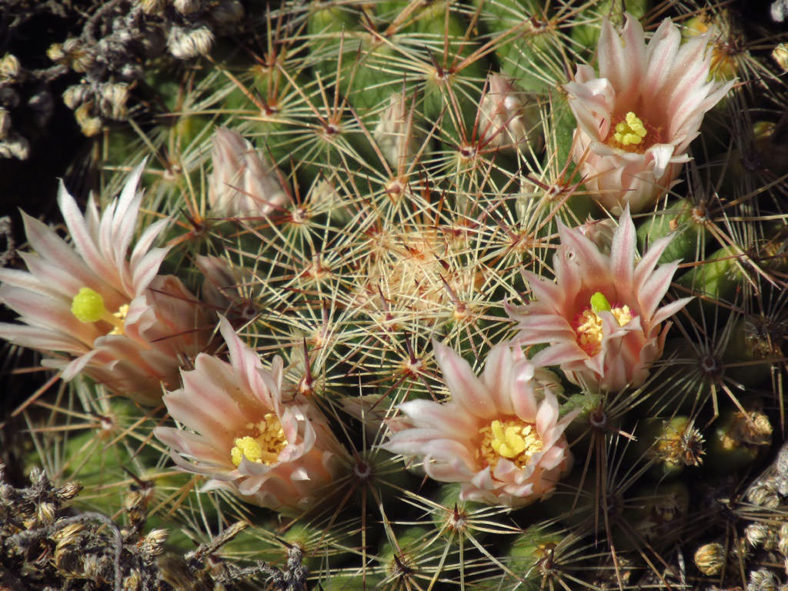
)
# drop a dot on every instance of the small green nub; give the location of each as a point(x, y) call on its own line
point(599, 303)
point(88, 305)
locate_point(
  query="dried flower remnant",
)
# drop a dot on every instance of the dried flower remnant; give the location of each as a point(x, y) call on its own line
point(242, 183)
point(635, 121)
point(499, 436)
point(601, 318)
point(272, 448)
point(92, 309)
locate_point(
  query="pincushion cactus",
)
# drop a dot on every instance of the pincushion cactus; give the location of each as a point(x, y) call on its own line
point(362, 201)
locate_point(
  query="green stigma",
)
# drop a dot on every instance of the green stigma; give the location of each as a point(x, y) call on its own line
point(88, 305)
point(599, 303)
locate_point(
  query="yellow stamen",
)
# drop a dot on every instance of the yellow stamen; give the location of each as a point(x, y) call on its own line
point(121, 316)
point(631, 131)
point(88, 307)
point(589, 324)
point(264, 445)
point(512, 439)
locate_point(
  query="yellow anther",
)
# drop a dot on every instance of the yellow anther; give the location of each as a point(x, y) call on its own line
point(264, 445)
point(631, 131)
point(121, 316)
point(511, 439)
point(88, 305)
point(589, 324)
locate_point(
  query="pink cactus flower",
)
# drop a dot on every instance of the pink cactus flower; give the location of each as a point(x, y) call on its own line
point(249, 436)
point(636, 120)
point(92, 309)
point(498, 435)
point(243, 183)
point(600, 317)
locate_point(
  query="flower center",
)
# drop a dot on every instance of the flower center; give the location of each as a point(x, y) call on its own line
point(630, 131)
point(88, 306)
point(512, 439)
point(589, 324)
point(633, 134)
point(264, 445)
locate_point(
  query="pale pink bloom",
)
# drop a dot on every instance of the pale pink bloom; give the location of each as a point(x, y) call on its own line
point(149, 321)
point(636, 120)
point(601, 317)
point(248, 435)
point(498, 435)
point(243, 183)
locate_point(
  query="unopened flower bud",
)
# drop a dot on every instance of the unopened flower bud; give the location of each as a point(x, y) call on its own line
point(189, 43)
point(600, 232)
point(396, 133)
point(710, 558)
point(242, 183)
point(506, 119)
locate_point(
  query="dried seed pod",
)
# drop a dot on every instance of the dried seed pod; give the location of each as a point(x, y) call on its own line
point(153, 544)
point(763, 493)
point(187, 7)
point(189, 43)
point(113, 100)
point(15, 146)
point(68, 491)
point(153, 7)
point(756, 534)
point(9, 68)
point(227, 12)
point(88, 122)
point(75, 95)
point(710, 559)
point(762, 580)
point(5, 123)
point(780, 55)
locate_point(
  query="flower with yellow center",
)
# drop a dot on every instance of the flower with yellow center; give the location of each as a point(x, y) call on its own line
point(264, 446)
point(637, 114)
point(600, 345)
point(499, 434)
point(286, 459)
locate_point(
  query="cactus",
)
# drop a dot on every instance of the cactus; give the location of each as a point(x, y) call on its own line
point(360, 199)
